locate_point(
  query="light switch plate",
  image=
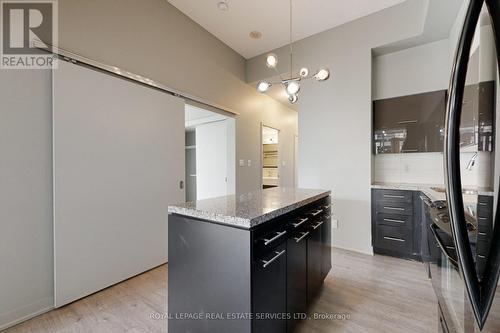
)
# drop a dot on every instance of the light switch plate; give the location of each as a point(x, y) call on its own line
point(249, 162)
point(335, 224)
point(242, 163)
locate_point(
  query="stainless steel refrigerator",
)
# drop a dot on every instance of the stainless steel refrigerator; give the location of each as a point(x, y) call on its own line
point(462, 250)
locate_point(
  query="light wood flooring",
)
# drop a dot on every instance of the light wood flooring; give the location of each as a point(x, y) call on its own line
point(377, 293)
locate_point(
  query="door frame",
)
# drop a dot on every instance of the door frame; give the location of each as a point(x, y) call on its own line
point(262, 125)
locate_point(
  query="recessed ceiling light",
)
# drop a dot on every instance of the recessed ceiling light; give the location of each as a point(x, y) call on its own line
point(223, 6)
point(255, 34)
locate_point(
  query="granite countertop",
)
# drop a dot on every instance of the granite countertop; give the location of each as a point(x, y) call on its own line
point(429, 190)
point(250, 209)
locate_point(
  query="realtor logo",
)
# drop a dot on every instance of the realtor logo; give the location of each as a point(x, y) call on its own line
point(28, 30)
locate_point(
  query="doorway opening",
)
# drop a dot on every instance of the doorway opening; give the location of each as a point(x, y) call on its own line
point(210, 154)
point(270, 157)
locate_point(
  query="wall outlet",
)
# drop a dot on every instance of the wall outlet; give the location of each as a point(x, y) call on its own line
point(249, 162)
point(335, 224)
point(242, 163)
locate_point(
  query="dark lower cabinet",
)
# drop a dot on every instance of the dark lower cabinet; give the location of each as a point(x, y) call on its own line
point(272, 271)
point(269, 291)
point(326, 241)
point(296, 294)
point(396, 228)
point(314, 261)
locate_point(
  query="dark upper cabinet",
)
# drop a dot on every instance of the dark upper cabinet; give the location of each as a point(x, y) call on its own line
point(269, 290)
point(486, 116)
point(407, 124)
point(478, 116)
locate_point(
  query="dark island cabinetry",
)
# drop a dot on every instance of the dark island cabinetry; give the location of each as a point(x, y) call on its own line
point(265, 276)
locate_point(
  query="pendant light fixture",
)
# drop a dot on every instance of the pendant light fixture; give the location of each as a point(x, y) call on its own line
point(292, 83)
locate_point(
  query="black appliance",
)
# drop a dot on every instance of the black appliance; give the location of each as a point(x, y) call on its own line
point(463, 250)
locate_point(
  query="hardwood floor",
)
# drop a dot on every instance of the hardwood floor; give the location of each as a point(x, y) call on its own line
point(375, 294)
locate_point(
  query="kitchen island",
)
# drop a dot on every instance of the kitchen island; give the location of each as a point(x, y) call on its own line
point(247, 263)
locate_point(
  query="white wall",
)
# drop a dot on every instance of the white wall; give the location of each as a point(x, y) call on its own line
point(335, 116)
point(26, 251)
point(415, 70)
point(411, 71)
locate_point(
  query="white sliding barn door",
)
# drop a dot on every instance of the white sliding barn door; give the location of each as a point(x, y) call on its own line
point(118, 161)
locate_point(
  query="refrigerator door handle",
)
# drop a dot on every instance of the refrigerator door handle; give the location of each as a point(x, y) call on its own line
point(480, 292)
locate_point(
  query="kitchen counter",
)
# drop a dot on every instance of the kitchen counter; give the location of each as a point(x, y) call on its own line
point(250, 209)
point(238, 263)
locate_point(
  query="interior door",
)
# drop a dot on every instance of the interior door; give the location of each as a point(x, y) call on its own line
point(118, 161)
point(211, 160)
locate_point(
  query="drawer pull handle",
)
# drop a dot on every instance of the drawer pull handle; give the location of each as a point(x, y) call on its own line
point(304, 235)
point(481, 256)
point(483, 218)
point(296, 225)
point(393, 220)
point(317, 212)
point(270, 261)
point(394, 239)
point(481, 233)
point(327, 206)
point(317, 225)
point(409, 150)
point(394, 196)
point(394, 208)
point(407, 122)
point(278, 235)
point(483, 204)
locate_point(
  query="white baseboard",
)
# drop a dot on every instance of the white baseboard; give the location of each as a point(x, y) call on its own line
point(16, 316)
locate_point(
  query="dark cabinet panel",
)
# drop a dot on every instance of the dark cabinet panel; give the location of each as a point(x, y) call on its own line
point(314, 260)
point(477, 121)
point(396, 223)
point(409, 124)
point(296, 278)
point(269, 291)
point(486, 116)
point(394, 239)
point(326, 242)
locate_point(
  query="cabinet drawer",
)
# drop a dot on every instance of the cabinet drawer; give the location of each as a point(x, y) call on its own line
point(482, 247)
point(394, 208)
point(394, 239)
point(484, 206)
point(393, 196)
point(399, 221)
point(484, 224)
point(268, 241)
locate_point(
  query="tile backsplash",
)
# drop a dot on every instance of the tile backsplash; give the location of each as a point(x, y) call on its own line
point(427, 168)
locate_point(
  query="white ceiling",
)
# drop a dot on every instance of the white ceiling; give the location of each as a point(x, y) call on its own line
point(271, 17)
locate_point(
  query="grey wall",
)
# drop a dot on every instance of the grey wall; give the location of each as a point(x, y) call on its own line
point(152, 38)
point(26, 257)
point(335, 116)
